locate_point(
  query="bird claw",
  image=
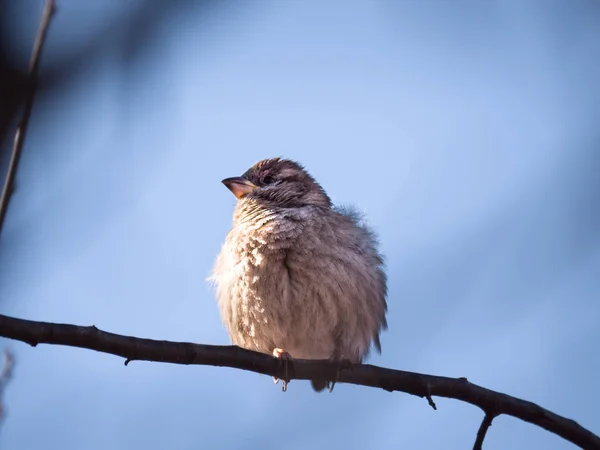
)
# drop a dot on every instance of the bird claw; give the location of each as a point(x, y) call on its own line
point(342, 363)
point(285, 357)
point(283, 383)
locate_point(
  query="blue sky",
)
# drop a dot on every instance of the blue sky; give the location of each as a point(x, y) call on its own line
point(467, 131)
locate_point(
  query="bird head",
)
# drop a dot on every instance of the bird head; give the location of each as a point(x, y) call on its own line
point(280, 183)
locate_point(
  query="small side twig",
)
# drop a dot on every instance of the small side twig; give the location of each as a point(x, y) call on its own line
point(485, 424)
point(15, 157)
point(429, 399)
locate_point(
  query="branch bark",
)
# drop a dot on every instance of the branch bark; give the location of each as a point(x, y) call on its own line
point(15, 157)
point(131, 348)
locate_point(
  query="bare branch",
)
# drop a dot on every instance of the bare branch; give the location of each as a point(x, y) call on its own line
point(8, 187)
point(421, 385)
point(485, 424)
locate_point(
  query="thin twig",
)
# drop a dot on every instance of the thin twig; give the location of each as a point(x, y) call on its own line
point(485, 424)
point(15, 157)
point(429, 399)
point(5, 377)
point(138, 349)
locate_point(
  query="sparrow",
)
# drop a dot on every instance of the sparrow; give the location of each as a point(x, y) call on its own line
point(297, 276)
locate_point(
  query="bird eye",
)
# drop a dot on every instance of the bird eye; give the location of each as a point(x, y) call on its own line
point(268, 179)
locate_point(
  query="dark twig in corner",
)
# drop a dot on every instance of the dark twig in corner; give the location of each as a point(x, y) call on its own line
point(485, 424)
point(8, 187)
point(421, 385)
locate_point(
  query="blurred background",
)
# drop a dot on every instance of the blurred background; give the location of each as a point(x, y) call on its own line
point(466, 130)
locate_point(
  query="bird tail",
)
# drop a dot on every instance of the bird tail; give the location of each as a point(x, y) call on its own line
point(318, 386)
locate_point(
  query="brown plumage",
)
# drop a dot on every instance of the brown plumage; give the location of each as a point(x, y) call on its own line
point(297, 273)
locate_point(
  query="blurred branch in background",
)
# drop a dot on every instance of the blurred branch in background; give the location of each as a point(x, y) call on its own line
point(492, 403)
point(11, 99)
point(5, 376)
point(131, 36)
point(8, 186)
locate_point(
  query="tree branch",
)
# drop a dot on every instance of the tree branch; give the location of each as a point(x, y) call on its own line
point(485, 424)
point(421, 385)
point(8, 187)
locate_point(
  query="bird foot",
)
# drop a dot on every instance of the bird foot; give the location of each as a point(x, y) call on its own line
point(281, 353)
point(285, 357)
point(342, 363)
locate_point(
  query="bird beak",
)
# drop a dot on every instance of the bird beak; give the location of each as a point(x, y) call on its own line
point(239, 186)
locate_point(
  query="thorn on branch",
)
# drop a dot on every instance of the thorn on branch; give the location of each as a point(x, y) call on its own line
point(385, 385)
point(485, 424)
point(127, 361)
